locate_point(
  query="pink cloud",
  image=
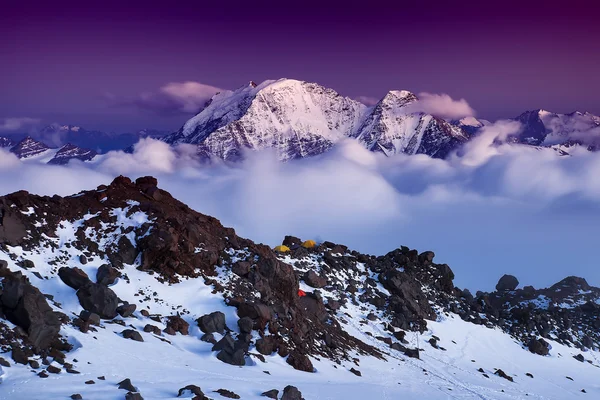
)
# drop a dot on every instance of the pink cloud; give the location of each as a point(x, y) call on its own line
point(172, 98)
point(442, 106)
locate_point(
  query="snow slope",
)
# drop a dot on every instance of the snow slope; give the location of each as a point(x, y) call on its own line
point(159, 366)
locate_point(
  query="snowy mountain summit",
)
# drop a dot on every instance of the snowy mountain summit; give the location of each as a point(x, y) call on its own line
point(125, 292)
point(300, 119)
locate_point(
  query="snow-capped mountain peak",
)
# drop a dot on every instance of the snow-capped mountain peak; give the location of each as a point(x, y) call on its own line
point(300, 119)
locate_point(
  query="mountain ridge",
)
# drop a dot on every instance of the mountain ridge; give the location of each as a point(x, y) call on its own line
point(127, 268)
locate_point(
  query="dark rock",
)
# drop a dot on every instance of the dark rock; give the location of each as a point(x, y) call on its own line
point(241, 268)
point(152, 328)
point(132, 334)
point(4, 363)
point(83, 259)
point(127, 385)
point(25, 306)
point(300, 362)
point(193, 389)
point(227, 393)
point(502, 374)
point(34, 364)
point(266, 345)
point(76, 396)
point(314, 280)
point(178, 324)
point(107, 275)
point(226, 342)
point(412, 353)
point(538, 346)
point(19, 356)
point(209, 338)
point(355, 372)
point(246, 325)
point(529, 375)
point(53, 370)
point(73, 277)
point(43, 374)
point(98, 299)
point(271, 394)
point(507, 282)
point(90, 382)
point(213, 322)
point(579, 357)
point(133, 396)
point(291, 393)
point(92, 318)
point(26, 264)
point(126, 310)
point(235, 357)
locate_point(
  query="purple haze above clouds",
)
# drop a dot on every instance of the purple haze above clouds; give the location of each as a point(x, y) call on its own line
point(107, 67)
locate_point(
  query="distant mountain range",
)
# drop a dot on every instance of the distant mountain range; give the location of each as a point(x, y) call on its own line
point(300, 119)
point(101, 142)
point(29, 149)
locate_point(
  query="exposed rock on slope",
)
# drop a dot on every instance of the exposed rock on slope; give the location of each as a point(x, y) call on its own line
point(128, 262)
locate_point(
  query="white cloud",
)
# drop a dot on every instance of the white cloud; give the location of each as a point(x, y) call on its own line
point(18, 125)
point(442, 106)
point(487, 210)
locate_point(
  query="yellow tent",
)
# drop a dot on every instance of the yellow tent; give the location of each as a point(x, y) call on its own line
point(282, 249)
point(309, 244)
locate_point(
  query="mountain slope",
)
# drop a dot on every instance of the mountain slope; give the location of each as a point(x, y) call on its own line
point(126, 282)
point(32, 150)
point(541, 127)
point(301, 119)
point(391, 128)
point(297, 119)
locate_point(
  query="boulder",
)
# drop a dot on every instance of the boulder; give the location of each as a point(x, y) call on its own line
point(300, 362)
point(271, 394)
point(90, 317)
point(507, 282)
point(235, 357)
point(213, 322)
point(266, 345)
point(25, 306)
point(538, 346)
point(191, 390)
point(152, 328)
point(314, 280)
point(73, 277)
point(126, 310)
point(228, 394)
point(127, 385)
point(245, 324)
point(178, 324)
point(291, 393)
point(107, 275)
point(98, 299)
point(133, 396)
point(132, 334)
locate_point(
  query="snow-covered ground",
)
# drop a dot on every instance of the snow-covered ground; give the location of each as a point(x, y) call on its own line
point(161, 365)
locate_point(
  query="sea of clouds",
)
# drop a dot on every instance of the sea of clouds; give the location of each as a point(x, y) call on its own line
point(487, 210)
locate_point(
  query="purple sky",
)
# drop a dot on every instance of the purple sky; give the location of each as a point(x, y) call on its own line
point(64, 62)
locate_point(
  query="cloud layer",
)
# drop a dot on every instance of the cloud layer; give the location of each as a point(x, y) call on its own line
point(489, 209)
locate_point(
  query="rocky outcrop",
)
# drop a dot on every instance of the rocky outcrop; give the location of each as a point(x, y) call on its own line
point(26, 307)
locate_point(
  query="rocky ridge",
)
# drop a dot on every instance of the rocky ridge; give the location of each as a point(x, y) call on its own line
point(70, 264)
